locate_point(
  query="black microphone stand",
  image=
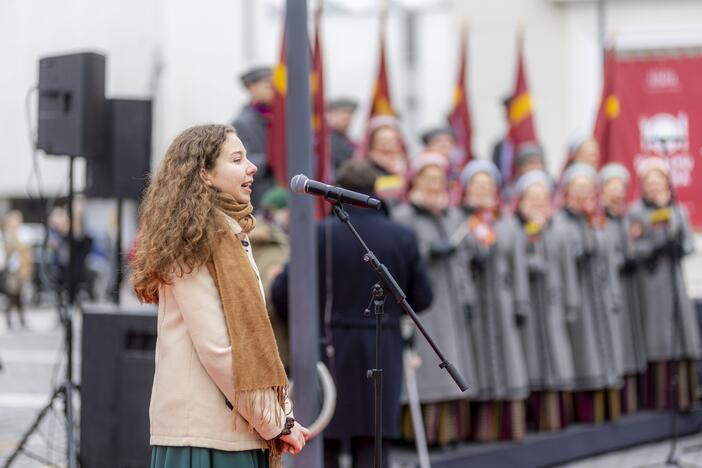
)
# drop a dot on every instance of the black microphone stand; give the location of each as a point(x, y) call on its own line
point(388, 283)
point(672, 459)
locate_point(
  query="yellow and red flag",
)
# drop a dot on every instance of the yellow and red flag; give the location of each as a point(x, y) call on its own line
point(322, 149)
point(277, 154)
point(382, 103)
point(521, 117)
point(459, 118)
point(608, 110)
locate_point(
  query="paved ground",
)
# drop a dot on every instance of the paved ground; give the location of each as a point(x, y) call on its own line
point(33, 366)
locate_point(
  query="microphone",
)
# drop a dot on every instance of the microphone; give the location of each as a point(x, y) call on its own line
point(301, 184)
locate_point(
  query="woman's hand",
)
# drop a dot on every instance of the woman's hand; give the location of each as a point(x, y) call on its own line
point(295, 441)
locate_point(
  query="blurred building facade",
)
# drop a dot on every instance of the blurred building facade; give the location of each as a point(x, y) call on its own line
point(188, 55)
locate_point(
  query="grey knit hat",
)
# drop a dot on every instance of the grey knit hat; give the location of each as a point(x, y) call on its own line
point(480, 165)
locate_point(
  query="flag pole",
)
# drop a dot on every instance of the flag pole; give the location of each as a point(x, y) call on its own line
point(303, 297)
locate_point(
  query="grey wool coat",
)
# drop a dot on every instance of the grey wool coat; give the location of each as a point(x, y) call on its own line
point(626, 294)
point(500, 277)
point(445, 320)
point(593, 321)
point(545, 333)
point(659, 244)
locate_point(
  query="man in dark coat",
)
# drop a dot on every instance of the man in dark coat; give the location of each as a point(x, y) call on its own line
point(253, 124)
point(352, 334)
point(339, 115)
point(503, 151)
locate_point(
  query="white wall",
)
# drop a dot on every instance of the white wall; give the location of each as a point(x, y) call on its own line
point(200, 47)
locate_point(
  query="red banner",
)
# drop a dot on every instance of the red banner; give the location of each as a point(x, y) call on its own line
point(459, 118)
point(277, 144)
point(660, 114)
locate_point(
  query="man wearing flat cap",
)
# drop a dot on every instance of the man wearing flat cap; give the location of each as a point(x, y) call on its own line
point(339, 116)
point(253, 124)
point(441, 140)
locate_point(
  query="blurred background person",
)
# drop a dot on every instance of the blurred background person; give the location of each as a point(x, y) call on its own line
point(442, 140)
point(253, 125)
point(661, 236)
point(503, 149)
point(586, 151)
point(446, 412)
point(582, 149)
point(529, 157)
point(271, 250)
point(388, 156)
point(69, 270)
point(340, 116)
point(614, 186)
point(353, 334)
point(18, 266)
point(545, 337)
point(498, 267)
point(592, 326)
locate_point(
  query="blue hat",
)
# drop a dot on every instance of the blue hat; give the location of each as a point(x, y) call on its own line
point(533, 178)
point(480, 165)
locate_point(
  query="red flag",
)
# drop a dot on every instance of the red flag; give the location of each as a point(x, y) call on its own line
point(521, 118)
point(521, 122)
point(388, 186)
point(319, 121)
point(459, 118)
point(277, 157)
point(609, 108)
point(382, 104)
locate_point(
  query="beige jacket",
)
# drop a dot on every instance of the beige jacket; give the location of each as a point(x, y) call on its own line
point(194, 371)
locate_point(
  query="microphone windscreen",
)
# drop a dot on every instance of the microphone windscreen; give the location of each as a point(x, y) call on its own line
point(297, 183)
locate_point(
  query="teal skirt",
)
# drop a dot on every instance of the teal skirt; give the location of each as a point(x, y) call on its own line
point(195, 457)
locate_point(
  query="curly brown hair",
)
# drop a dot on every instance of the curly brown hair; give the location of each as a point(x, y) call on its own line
point(177, 215)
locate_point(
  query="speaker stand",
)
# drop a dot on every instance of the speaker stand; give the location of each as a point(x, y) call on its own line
point(66, 296)
point(118, 255)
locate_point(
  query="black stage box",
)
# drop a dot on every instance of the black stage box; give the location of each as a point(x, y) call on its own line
point(118, 346)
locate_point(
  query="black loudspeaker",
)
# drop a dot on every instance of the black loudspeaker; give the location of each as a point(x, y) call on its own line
point(116, 376)
point(122, 172)
point(72, 105)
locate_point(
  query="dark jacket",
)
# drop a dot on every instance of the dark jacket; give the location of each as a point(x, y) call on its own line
point(353, 334)
point(252, 130)
point(342, 147)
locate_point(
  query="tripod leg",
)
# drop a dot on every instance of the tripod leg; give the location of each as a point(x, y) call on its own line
point(33, 427)
point(70, 429)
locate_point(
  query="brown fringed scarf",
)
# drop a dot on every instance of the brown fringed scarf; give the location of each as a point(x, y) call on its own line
point(255, 360)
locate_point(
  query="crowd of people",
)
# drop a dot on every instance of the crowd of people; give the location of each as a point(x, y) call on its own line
point(558, 300)
point(34, 262)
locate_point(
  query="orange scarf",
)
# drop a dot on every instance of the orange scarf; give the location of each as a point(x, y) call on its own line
point(256, 363)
